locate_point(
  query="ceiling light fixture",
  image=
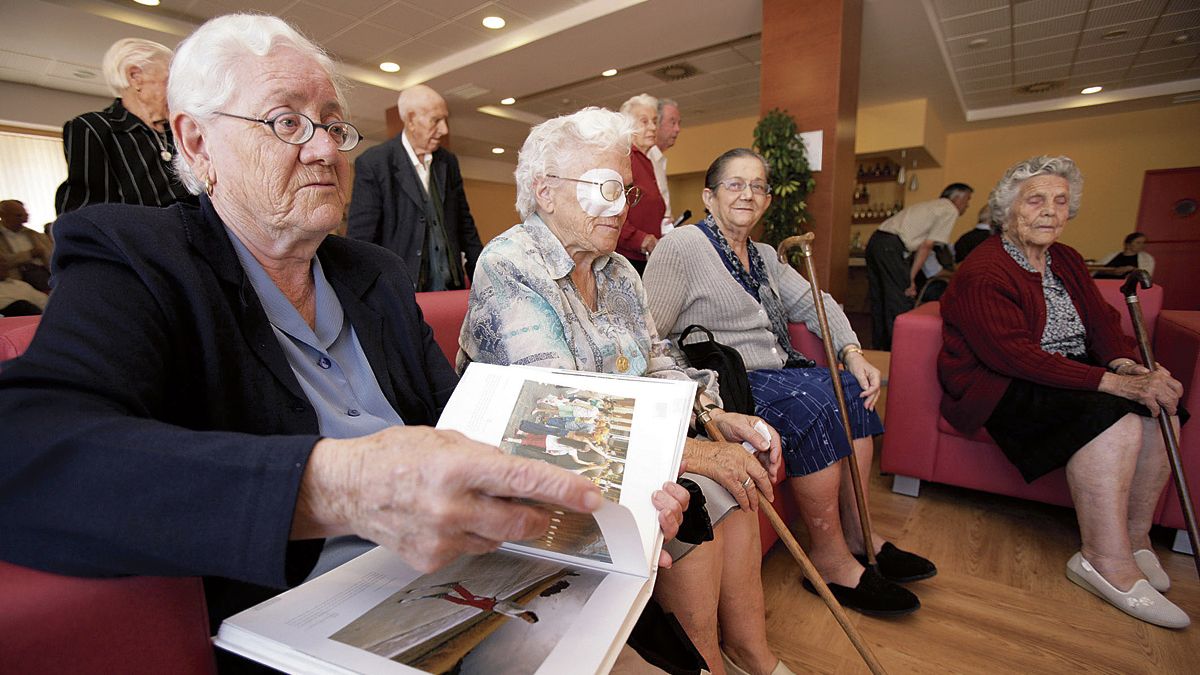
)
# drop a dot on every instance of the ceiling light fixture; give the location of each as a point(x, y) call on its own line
point(497, 151)
point(494, 22)
point(610, 72)
point(1114, 34)
point(508, 101)
point(148, 3)
point(977, 43)
point(1091, 90)
point(1181, 38)
point(389, 67)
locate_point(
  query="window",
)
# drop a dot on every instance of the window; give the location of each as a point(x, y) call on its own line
point(31, 169)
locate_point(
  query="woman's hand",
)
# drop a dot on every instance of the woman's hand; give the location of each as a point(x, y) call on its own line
point(736, 427)
point(867, 376)
point(648, 244)
point(1156, 390)
point(730, 465)
point(671, 501)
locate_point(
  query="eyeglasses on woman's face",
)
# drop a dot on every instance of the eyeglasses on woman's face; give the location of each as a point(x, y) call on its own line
point(738, 185)
point(296, 128)
point(610, 189)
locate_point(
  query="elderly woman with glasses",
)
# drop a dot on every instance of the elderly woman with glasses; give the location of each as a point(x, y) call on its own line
point(551, 292)
point(1033, 354)
point(714, 275)
point(217, 389)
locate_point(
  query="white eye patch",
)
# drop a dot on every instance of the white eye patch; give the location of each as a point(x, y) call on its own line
point(591, 196)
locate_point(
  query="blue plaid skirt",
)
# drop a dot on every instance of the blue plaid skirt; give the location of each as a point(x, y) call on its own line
point(801, 405)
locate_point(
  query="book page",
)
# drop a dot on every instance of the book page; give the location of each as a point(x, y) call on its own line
point(624, 434)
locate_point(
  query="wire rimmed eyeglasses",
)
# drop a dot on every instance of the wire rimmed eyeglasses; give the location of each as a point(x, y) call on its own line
point(610, 189)
point(296, 128)
point(735, 185)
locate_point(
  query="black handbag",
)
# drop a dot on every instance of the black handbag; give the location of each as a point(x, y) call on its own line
point(726, 362)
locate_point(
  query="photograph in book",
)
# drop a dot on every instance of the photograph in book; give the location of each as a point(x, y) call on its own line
point(498, 613)
point(584, 432)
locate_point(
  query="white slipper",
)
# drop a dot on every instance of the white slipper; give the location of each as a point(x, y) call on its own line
point(1140, 601)
point(734, 669)
point(1148, 563)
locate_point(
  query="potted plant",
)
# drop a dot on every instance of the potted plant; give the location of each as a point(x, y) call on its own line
point(777, 139)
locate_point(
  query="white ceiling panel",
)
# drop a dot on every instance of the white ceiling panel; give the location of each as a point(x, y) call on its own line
point(1119, 63)
point(1067, 26)
point(1052, 74)
point(1054, 45)
point(971, 24)
point(1184, 21)
point(1127, 13)
point(1144, 70)
point(953, 8)
point(362, 41)
point(1045, 10)
point(988, 84)
point(1059, 60)
point(982, 57)
point(405, 20)
point(1185, 51)
point(996, 39)
point(318, 23)
point(982, 72)
point(1135, 30)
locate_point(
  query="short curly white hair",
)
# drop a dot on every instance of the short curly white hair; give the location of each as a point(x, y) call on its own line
point(1002, 197)
point(204, 72)
point(555, 143)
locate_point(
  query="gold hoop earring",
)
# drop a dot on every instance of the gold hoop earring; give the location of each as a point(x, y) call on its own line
point(208, 187)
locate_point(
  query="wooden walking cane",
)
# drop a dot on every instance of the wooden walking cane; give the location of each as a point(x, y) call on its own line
point(804, 241)
point(1129, 290)
point(806, 566)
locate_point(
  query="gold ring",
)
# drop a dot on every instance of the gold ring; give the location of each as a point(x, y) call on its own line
point(746, 483)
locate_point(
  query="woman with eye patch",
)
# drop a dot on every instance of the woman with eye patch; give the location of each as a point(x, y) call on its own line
point(714, 275)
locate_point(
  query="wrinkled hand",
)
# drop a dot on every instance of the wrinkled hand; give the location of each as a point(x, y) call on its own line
point(911, 291)
point(671, 501)
point(1156, 390)
point(868, 378)
point(736, 427)
point(648, 243)
point(430, 495)
point(729, 464)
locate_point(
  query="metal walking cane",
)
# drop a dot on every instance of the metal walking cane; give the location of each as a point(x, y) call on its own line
point(806, 566)
point(1129, 290)
point(804, 241)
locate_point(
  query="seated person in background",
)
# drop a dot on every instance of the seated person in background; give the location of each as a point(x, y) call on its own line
point(974, 236)
point(715, 276)
point(550, 292)
point(643, 226)
point(1035, 355)
point(24, 253)
point(216, 389)
point(1130, 258)
point(18, 298)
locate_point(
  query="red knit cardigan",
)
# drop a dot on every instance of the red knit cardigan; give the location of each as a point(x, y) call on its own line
point(993, 316)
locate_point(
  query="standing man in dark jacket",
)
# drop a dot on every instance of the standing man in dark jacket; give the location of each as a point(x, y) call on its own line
point(408, 197)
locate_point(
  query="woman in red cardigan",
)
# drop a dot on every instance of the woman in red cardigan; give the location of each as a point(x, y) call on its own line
point(643, 225)
point(1032, 353)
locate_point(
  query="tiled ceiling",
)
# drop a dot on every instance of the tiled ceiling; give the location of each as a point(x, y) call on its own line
point(1007, 52)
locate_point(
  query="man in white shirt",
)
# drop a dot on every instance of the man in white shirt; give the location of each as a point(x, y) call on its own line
point(898, 250)
point(668, 131)
point(408, 197)
point(24, 253)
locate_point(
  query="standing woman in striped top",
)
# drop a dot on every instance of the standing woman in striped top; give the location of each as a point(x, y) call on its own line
point(122, 154)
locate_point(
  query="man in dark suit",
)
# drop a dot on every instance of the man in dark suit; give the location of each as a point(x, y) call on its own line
point(408, 197)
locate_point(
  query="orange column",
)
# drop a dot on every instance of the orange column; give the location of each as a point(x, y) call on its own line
point(810, 54)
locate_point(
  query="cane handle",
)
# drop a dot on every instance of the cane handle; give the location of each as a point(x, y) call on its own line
point(1133, 280)
point(804, 241)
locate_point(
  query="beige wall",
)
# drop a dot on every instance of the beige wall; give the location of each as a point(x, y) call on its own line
point(491, 206)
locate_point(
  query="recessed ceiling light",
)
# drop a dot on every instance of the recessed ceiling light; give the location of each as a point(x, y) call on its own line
point(610, 72)
point(508, 101)
point(1091, 90)
point(493, 22)
point(1181, 38)
point(977, 43)
point(497, 151)
point(389, 67)
point(1114, 34)
point(148, 3)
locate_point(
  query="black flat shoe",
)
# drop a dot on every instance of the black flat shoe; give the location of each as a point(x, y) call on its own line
point(873, 596)
point(900, 566)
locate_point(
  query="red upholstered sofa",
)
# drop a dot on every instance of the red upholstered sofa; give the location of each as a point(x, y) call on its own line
point(445, 310)
point(919, 445)
point(56, 624)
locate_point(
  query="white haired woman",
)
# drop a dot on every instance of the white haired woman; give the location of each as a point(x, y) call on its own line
point(715, 276)
point(240, 384)
point(1035, 355)
point(550, 292)
point(123, 154)
point(643, 225)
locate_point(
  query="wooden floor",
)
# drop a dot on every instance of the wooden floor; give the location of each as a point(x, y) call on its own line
point(1000, 603)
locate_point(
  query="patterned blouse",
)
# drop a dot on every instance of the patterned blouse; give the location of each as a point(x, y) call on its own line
point(525, 310)
point(1064, 333)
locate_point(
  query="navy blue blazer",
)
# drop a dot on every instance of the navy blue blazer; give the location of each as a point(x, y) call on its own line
point(387, 206)
point(154, 426)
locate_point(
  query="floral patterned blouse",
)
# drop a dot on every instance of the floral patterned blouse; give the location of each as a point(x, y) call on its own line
point(525, 310)
point(1064, 333)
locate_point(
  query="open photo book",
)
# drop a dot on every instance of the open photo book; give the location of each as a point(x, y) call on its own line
point(564, 603)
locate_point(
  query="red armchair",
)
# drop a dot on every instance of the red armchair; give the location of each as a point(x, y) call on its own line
point(52, 623)
point(919, 445)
